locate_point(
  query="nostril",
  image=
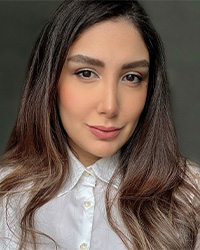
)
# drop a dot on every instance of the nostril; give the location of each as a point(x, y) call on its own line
point(110, 110)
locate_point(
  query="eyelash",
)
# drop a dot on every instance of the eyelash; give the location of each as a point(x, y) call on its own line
point(139, 78)
point(78, 73)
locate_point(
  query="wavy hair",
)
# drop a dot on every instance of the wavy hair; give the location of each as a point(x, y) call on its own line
point(154, 195)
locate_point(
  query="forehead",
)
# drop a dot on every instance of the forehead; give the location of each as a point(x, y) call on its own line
point(116, 38)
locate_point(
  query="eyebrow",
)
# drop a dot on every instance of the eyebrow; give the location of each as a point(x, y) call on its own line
point(96, 62)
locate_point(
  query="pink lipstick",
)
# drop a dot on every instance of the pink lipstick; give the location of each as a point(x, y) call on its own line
point(104, 132)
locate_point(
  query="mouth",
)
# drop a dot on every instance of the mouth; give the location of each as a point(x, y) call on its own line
point(103, 132)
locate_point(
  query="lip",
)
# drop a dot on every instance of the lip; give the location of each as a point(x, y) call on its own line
point(103, 132)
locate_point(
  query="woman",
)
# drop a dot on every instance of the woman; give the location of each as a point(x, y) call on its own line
point(93, 162)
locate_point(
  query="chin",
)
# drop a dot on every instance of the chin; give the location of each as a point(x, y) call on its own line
point(104, 153)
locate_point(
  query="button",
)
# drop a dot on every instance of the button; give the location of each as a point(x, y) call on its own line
point(87, 204)
point(85, 173)
point(83, 246)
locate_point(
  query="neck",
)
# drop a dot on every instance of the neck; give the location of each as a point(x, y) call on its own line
point(84, 157)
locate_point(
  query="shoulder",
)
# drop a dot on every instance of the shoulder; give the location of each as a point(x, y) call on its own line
point(5, 171)
point(193, 171)
point(191, 185)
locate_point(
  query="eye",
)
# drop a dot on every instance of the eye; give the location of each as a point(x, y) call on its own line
point(132, 78)
point(86, 74)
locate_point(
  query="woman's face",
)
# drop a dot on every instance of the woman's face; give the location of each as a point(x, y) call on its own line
point(102, 89)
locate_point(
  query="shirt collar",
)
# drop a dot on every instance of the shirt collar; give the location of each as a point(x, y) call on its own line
point(103, 169)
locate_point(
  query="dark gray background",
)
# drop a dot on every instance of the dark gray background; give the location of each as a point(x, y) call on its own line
point(178, 23)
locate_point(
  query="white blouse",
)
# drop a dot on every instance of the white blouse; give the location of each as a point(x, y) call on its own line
point(76, 218)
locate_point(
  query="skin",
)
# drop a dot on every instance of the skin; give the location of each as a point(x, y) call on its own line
point(104, 93)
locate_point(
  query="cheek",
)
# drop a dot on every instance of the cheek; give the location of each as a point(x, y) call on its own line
point(135, 106)
point(68, 100)
point(140, 102)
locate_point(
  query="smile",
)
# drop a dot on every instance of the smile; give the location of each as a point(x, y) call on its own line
point(104, 132)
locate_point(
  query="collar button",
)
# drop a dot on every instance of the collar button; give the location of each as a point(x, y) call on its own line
point(83, 246)
point(86, 174)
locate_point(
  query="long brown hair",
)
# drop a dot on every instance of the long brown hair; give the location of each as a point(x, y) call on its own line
point(154, 195)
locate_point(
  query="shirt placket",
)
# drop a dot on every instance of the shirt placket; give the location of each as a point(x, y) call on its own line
point(85, 195)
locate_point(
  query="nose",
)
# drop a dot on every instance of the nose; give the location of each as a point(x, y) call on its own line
point(108, 104)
